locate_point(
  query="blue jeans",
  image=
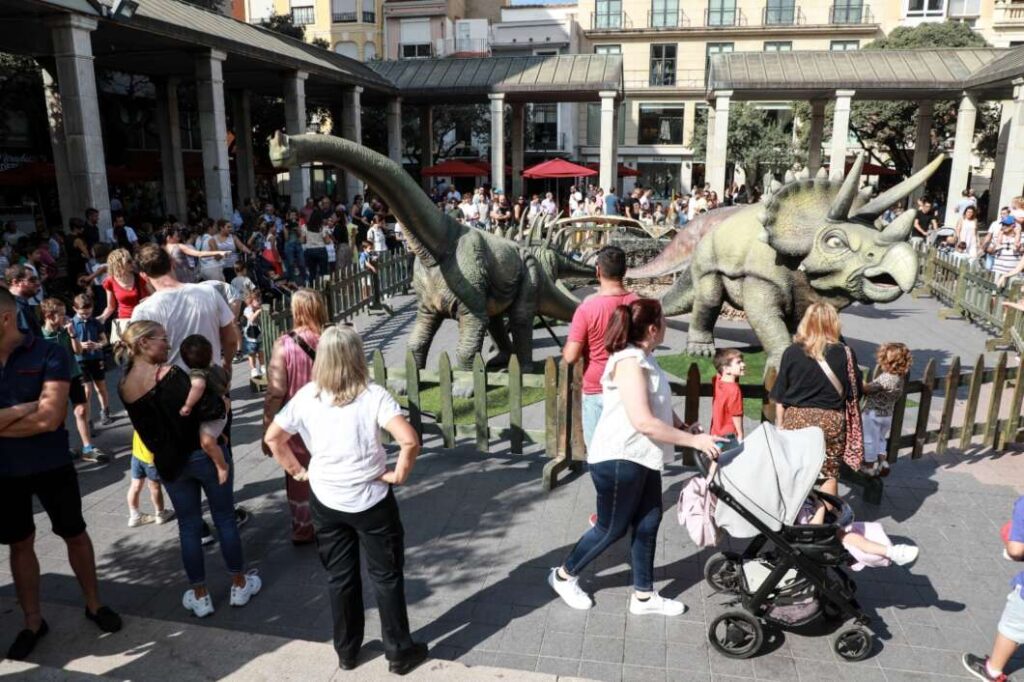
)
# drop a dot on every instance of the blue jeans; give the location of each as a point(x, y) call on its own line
point(294, 262)
point(628, 496)
point(201, 476)
point(593, 406)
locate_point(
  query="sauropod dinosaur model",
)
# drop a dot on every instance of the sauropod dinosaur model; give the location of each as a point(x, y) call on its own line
point(462, 273)
point(809, 240)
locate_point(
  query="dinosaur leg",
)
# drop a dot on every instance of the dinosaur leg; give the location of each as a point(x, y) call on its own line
point(427, 323)
point(707, 303)
point(521, 315)
point(762, 302)
point(499, 332)
point(472, 328)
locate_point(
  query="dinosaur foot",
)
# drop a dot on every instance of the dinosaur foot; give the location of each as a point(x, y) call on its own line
point(699, 349)
point(462, 389)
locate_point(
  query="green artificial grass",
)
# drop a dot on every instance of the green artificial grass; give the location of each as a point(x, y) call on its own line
point(497, 402)
point(755, 358)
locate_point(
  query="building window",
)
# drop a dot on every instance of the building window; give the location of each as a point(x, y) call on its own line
point(664, 13)
point(343, 11)
point(780, 13)
point(607, 49)
point(414, 39)
point(660, 124)
point(964, 8)
point(847, 12)
point(663, 65)
point(926, 9)
point(594, 124)
point(721, 13)
point(303, 16)
point(844, 45)
point(369, 51)
point(369, 12)
point(778, 46)
point(608, 14)
point(663, 178)
point(713, 49)
point(416, 51)
point(347, 49)
point(543, 121)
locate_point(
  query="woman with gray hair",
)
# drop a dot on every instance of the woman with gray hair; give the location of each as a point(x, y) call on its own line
point(339, 414)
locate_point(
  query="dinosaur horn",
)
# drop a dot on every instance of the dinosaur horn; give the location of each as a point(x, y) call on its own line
point(840, 208)
point(899, 229)
point(433, 229)
point(870, 211)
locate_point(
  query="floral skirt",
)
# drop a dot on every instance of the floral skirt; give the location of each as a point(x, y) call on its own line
point(832, 422)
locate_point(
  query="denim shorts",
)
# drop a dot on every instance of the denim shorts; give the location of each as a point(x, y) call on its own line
point(593, 406)
point(142, 470)
point(250, 346)
point(1011, 623)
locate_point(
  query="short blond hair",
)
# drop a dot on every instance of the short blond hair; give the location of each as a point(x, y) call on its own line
point(52, 306)
point(818, 328)
point(120, 264)
point(340, 370)
point(309, 310)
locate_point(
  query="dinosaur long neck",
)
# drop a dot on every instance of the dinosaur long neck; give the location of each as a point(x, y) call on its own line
point(432, 229)
point(555, 301)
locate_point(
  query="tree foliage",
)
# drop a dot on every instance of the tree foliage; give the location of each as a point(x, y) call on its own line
point(757, 143)
point(455, 129)
point(282, 23)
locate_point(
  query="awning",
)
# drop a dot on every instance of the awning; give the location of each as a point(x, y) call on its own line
point(453, 168)
point(558, 168)
point(623, 172)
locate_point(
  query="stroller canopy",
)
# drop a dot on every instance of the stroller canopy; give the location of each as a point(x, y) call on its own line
point(770, 474)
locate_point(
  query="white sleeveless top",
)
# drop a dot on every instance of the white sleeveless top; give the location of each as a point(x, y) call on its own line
point(615, 437)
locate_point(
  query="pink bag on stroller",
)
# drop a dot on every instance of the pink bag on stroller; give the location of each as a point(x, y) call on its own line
point(696, 510)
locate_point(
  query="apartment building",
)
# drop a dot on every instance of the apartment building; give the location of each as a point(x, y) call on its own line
point(351, 27)
point(417, 29)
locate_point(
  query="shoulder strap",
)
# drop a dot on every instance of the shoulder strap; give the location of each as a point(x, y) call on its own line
point(301, 343)
point(836, 384)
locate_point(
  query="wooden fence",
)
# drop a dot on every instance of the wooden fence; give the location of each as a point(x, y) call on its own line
point(968, 290)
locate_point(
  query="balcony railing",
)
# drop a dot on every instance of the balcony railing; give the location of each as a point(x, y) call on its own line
point(781, 14)
point(850, 13)
point(1008, 14)
point(303, 16)
point(732, 16)
point(635, 79)
point(449, 46)
point(667, 19)
point(368, 17)
point(610, 21)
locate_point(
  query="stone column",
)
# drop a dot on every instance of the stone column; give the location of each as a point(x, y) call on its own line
point(715, 173)
point(395, 130)
point(74, 116)
point(689, 122)
point(518, 135)
point(352, 129)
point(213, 127)
point(1012, 181)
point(1006, 110)
point(295, 124)
point(609, 162)
point(168, 121)
point(426, 143)
point(963, 148)
point(922, 143)
point(245, 159)
point(816, 134)
point(840, 133)
point(497, 140)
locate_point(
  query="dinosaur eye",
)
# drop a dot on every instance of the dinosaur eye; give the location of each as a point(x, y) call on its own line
point(834, 241)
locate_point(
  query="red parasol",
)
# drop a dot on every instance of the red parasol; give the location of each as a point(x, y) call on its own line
point(623, 172)
point(453, 168)
point(558, 168)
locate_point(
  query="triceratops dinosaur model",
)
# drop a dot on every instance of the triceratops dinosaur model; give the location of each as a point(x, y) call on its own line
point(810, 240)
point(462, 273)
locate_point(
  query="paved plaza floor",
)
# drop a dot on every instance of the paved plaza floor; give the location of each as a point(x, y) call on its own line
point(481, 535)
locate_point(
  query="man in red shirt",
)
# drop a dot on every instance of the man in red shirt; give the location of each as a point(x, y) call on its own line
point(586, 332)
point(727, 400)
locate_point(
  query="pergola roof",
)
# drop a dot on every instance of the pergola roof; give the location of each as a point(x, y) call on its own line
point(873, 74)
point(564, 78)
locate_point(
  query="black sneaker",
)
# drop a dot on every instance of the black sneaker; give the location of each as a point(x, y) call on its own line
point(241, 516)
point(26, 641)
point(411, 658)
point(105, 418)
point(977, 666)
point(106, 619)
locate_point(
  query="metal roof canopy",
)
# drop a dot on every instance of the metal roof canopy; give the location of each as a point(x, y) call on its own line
point(872, 74)
point(157, 40)
point(559, 78)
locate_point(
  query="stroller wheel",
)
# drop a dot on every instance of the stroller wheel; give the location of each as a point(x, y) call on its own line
point(723, 572)
point(736, 634)
point(852, 643)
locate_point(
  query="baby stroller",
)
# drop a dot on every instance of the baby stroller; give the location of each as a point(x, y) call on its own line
point(789, 575)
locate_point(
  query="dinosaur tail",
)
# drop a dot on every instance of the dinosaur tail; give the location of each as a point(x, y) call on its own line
point(677, 254)
point(556, 301)
point(678, 300)
point(432, 229)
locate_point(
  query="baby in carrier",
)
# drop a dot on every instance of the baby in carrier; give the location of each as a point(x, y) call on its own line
point(866, 542)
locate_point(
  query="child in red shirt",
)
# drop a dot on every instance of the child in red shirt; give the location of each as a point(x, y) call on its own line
point(727, 399)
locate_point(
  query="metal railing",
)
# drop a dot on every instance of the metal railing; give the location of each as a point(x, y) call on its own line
point(781, 14)
point(447, 46)
point(343, 17)
point(303, 16)
point(1008, 15)
point(682, 78)
point(667, 19)
point(610, 21)
point(731, 16)
point(850, 13)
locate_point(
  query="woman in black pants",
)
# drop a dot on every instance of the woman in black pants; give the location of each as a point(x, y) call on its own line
point(338, 415)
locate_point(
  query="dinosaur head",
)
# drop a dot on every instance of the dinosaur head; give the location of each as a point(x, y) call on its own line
point(829, 230)
point(282, 153)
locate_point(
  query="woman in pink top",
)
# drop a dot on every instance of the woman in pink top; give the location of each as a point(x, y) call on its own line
point(291, 366)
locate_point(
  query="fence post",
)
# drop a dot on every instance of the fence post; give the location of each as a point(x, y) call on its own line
point(923, 410)
point(577, 450)
point(1008, 320)
point(561, 421)
point(959, 294)
point(1013, 421)
point(412, 384)
point(952, 387)
point(995, 399)
point(480, 402)
point(380, 377)
point(899, 412)
point(923, 287)
point(971, 409)
point(691, 407)
point(444, 371)
point(551, 407)
point(515, 405)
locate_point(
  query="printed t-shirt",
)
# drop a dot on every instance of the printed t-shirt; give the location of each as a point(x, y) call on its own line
point(589, 323)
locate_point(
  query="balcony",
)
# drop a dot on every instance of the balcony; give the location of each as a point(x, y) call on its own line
point(453, 47)
point(368, 17)
point(1008, 15)
point(645, 79)
point(782, 14)
point(715, 18)
point(667, 19)
point(610, 21)
point(850, 13)
point(303, 16)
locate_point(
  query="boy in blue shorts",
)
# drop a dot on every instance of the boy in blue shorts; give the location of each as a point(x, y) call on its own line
point(1010, 632)
point(92, 340)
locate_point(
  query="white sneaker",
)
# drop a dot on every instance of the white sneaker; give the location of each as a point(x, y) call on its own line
point(139, 520)
point(240, 596)
point(656, 604)
point(200, 606)
point(164, 516)
point(570, 591)
point(254, 372)
point(901, 555)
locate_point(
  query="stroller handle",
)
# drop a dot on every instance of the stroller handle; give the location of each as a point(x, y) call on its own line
point(703, 462)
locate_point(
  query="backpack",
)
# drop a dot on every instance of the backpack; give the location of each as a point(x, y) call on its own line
point(696, 512)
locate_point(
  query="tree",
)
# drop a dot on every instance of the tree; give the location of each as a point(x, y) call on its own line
point(321, 42)
point(212, 5)
point(887, 130)
point(757, 144)
point(455, 128)
point(282, 23)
